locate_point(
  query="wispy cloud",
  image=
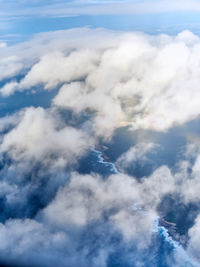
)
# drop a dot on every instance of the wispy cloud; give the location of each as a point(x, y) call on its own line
point(79, 7)
point(20, 16)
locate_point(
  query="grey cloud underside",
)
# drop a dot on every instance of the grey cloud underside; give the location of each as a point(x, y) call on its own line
point(50, 213)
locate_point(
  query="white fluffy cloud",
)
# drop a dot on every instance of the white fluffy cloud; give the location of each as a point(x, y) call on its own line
point(19, 58)
point(118, 205)
point(88, 198)
point(149, 82)
point(56, 68)
point(41, 134)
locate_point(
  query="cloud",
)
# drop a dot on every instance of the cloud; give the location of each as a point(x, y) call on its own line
point(10, 66)
point(148, 98)
point(19, 58)
point(28, 238)
point(40, 134)
point(9, 88)
point(86, 213)
point(87, 205)
point(105, 80)
point(135, 154)
point(90, 206)
point(193, 246)
point(54, 69)
point(113, 78)
point(9, 121)
point(89, 198)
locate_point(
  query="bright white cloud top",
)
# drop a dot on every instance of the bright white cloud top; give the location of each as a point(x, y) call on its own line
point(149, 82)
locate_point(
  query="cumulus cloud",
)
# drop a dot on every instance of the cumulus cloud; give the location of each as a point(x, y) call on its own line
point(56, 68)
point(149, 97)
point(83, 208)
point(89, 198)
point(40, 134)
point(139, 80)
point(88, 205)
point(19, 58)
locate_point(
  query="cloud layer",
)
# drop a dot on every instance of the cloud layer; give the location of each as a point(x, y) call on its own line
point(149, 82)
point(103, 80)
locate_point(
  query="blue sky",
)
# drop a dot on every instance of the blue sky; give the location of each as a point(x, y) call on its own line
point(19, 20)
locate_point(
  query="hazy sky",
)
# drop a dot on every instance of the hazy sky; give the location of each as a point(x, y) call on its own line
point(19, 19)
